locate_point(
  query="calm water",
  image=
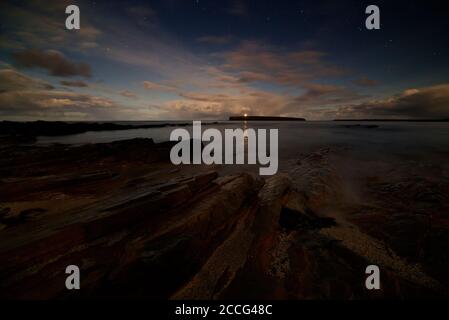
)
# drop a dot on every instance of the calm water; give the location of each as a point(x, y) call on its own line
point(404, 139)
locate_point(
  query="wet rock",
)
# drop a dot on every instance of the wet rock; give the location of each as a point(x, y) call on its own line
point(316, 179)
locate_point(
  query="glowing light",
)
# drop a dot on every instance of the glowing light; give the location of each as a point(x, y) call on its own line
point(245, 115)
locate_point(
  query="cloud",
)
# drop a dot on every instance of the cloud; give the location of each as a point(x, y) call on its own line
point(44, 104)
point(202, 105)
point(366, 82)
point(243, 99)
point(215, 40)
point(41, 24)
point(294, 81)
point(253, 61)
point(324, 94)
point(53, 61)
point(420, 103)
point(250, 76)
point(128, 94)
point(206, 97)
point(25, 98)
point(10, 80)
point(76, 83)
point(317, 99)
point(88, 45)
point(149, 85)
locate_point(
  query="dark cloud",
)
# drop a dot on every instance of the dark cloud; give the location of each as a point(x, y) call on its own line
point(75, 83)
point(366, 82)
point(318, 98)
point(428, 102)
point(53, 61)
point(325, 94)
point(11, 80)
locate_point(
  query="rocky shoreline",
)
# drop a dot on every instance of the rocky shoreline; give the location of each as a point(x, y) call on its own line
point(140, 227)
point(27, 132)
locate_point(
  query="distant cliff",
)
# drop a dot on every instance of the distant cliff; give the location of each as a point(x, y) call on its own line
point(264, 118)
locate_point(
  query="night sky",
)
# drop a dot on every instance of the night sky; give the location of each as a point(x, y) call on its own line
point(199, 59)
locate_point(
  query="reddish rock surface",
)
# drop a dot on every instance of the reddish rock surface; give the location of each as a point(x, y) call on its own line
point(139, 227)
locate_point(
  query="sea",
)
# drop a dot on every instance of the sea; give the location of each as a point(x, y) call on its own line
point(404, 139)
